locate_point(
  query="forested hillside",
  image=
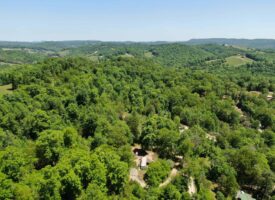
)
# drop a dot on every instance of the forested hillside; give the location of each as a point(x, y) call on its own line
point(167, 54)
point(253, 43)
point(79, 126)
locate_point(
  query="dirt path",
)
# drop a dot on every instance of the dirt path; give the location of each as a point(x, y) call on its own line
point(135, 176)
point(172, 175)
point(191, 186)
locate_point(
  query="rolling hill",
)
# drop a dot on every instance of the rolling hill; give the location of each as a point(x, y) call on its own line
point(255, 43)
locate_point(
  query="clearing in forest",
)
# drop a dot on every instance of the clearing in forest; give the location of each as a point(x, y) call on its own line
point(5, 89)
point(238, 60)
point(148, 54)
point(127, 55)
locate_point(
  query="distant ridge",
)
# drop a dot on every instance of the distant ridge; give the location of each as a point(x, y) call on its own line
point(249, 43)
point(57, 45)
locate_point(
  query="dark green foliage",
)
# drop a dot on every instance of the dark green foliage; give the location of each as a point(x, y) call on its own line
point(171, 192)
point(71, 186)
point(93, 192)
point(157, 172)
point(250, 165)
point(5, 187)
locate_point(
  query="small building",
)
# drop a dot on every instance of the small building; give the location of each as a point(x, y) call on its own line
point(241, 195)
point(143, 162)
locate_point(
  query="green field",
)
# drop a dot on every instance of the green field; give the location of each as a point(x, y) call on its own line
point(5, 89)
point(93, 58)
point(148, 54)
point(127, 55)
point(238, 60)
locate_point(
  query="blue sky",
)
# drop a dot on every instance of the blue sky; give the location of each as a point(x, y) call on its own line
point(135, 20)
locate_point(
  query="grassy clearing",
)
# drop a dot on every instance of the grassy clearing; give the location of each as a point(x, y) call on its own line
point(6, 63)
point(211, 61)
point(127, 55)
point(29, 50)
point(5, 89)
point(148, 54)
point(238, 60)
point(242, 48)
point(93, 58)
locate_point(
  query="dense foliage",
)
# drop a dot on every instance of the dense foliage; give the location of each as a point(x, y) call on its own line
point(67, 127)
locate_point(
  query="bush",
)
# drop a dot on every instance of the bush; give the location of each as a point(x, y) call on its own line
point(157, 172)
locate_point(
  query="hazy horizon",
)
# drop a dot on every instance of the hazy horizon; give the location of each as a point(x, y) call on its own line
point(133, 41)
